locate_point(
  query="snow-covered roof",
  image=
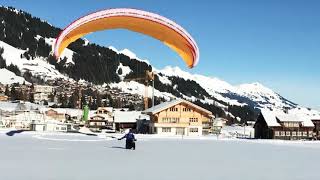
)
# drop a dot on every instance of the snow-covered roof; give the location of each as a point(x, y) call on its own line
point(69, 111)
point(168, 104)
point(272, 118)
point(129, 116)
point(288, 118)
point(26, 116)
point(306, 120)
point(109, 109)
point(315, 117)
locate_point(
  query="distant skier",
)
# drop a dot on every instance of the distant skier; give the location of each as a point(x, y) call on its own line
point(130, 140)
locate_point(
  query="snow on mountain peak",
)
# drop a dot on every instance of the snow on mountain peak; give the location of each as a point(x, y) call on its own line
point(128, 53)
point(255, 87)
point(214, 86)
point(205, 81)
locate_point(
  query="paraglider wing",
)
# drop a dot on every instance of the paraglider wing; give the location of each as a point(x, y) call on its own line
point(139, 21)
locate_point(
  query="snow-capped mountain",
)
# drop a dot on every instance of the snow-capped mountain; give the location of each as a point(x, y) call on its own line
point(88, 62)
point(246, 94)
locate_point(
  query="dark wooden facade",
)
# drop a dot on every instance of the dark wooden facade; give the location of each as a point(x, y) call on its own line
point(262, 130)
point(125, 125)
point(316, 130)
point(295, 132)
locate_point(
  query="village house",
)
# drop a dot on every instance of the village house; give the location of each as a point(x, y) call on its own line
point(102, 119)
point(41, 92)
point(2, 88)
point(179, 117)
point(22, 120)
point(131, 120)
point(50, 126)
point(3, 97)
point(55, 114)
point(280, 125)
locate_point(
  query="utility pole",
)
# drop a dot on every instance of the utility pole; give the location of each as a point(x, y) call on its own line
point(149, 76)
point(153, 92)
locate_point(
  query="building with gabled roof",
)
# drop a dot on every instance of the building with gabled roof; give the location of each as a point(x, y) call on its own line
point(130, 120)
point(179, 117)
point(280, 125)
point(102, 118)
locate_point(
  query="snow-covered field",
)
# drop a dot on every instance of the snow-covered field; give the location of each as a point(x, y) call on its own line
point(79, 157)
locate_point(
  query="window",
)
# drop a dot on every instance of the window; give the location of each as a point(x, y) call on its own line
point(310, 133)
point(287, 133)
point(63, 128)
point(193, 130)
point(294, 133)
point(276, 133)
point(299, 133)
point(305, 133)
point(186, 110)
point(57, 128)
point(170, 120)
point(164, 120)
point(282, 133)
point(193, 119)
point(166, 129)
point(174, 109)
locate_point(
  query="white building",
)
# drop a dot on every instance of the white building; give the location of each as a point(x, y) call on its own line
point(101, 119)
point(23, 119)
point(50, 126)
point(56, 126)
point(41, 93)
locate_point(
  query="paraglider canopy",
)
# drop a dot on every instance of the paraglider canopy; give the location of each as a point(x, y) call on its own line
point(135, 20)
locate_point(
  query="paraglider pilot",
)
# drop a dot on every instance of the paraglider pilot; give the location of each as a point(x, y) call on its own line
point(130, 140)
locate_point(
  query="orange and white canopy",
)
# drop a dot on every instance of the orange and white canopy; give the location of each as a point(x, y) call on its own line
point(135, 20)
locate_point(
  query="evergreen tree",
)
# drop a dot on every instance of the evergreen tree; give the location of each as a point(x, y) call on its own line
point(73, 100)
point(45, 102)
point(99, 100)
point(2, 60)
point(31, 97)
point(13, 93)
point(7, 91)
point(51, 97)
point(14, 69)
point(28, 76)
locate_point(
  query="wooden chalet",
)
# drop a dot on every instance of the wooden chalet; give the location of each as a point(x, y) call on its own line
point(280, 125)
point(179, 117)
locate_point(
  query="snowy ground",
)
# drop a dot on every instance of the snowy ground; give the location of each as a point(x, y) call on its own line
point(65, 157)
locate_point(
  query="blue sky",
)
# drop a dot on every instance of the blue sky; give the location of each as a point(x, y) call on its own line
point(276, 43)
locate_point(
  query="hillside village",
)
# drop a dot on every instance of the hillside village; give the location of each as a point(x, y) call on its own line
point(41, 108)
